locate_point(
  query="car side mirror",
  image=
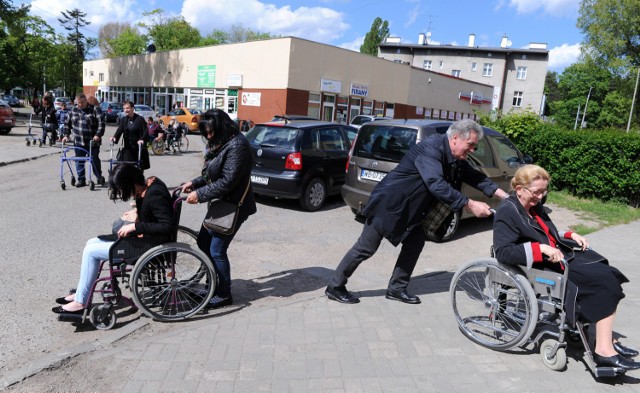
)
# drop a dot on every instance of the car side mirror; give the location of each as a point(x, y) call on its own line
point(527, 159)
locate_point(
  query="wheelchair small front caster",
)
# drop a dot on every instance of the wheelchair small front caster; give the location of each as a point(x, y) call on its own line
point(102, 317)
point(555, 362)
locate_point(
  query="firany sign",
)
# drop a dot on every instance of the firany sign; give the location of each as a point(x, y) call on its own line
point(359, 90)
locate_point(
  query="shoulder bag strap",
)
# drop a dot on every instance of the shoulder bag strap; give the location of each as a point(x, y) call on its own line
point(245, 193)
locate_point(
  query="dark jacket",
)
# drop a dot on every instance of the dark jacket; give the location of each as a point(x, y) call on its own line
point(49, 118)
point(517, 237)
point(428, 172)
point(134, 129)
point(155, 213)
point(228, 174)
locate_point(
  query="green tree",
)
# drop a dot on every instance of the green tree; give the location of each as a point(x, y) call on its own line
point(73, 21)
point(239, 33)
point(170, 33)
point(611, 29)
point(551, 90)
point(128, 42)
point(216, 37)
point(109, 31)
point(378, 33)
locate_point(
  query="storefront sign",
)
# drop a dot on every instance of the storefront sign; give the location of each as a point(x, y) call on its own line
point(419, 110)
point(206, 76)
point(209, 91)
point(234, 80)
point(359, 90)
point(473, 98)
point(330, 86)
point(195, 91)
point(251, 99)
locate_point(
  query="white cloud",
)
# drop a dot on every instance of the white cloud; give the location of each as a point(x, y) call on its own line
point(413, 15)
point(563, 56)
point(353, 45)
point(551, 7)
point(314, 23)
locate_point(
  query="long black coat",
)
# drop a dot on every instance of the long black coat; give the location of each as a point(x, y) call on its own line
point(134, 129)
point(428, 172)
point(228, 174)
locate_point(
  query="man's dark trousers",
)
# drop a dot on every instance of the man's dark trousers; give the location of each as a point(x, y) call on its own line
point(368, 244)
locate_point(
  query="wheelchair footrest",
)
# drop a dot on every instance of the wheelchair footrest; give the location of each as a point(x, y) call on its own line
point(67, 317)
point(605, 372)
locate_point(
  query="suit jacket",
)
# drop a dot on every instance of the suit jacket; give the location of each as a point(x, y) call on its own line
point(428, 172)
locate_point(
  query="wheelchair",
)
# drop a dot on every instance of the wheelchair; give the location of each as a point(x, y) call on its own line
point(168, 282)
point(502, 307)
point(174, 139)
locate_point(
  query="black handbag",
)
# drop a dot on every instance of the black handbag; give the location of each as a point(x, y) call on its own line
point(223, 215)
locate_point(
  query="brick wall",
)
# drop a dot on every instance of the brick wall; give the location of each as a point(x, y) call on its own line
point(273, 102)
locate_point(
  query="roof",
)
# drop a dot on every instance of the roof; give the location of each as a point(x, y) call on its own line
point(449, 47)
point(418, 123)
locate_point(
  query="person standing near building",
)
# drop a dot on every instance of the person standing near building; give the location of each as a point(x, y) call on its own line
point(85, 122)
point(49, 121)
point(135, 134)
point(432, 171)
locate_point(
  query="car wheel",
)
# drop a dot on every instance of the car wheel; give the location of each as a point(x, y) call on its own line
point(453, 228)
point(5, 131)
point(314, 195)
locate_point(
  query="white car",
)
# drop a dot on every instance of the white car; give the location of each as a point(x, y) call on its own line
point(143, 110)
point(359, 120)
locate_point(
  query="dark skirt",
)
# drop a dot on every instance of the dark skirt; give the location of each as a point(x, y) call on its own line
point(599, 287)
point(131, 155)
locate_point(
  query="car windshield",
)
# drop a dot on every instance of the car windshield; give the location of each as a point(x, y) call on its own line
point(270, 136)
point(116, 105)
point(384, 142)
point(360, 119)
point(142, 108)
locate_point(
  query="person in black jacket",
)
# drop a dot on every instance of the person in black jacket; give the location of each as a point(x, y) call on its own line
point(49, 120)
point(227, 175)
point(136, 135)
point(433, 170)
point(523, 234)
point(152, 217)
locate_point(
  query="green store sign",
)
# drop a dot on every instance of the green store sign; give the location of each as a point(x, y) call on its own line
point(207, 76)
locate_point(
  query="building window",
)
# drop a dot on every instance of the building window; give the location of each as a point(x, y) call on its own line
point(517, 99)
point(314, 105)
point(487, 70)
point(426, 64)
point(524, 57)
point(456, 73)
point(441, 64)
point(91, 73)
point(522, 73)
point(101, 77)
point(474, 66)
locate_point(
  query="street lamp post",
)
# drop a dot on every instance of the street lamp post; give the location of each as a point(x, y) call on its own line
point(633, 101)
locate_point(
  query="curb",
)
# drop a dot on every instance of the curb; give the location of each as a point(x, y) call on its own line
point(55, 360)
point(5, 163)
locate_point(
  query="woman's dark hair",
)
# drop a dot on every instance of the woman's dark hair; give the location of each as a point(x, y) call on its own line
point(48, 99)
point(128, 102)
point(223, 127)
point(123, 180)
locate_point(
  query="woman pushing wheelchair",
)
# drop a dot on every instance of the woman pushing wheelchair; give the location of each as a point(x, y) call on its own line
point(152, 218)
point(523, 234)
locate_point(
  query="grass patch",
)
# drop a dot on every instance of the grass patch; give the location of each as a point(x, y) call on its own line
point(605, 213)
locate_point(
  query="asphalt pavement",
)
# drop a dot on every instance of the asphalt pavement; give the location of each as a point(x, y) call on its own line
point(311, 344)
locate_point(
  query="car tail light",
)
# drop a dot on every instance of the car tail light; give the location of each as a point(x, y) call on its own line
point(109, 110)
point(350, 153)
point(293, 162)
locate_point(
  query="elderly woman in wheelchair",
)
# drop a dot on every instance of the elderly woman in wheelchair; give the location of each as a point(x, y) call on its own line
point(154, 222)
point(573, 284)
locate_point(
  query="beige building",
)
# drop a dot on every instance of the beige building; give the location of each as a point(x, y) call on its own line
point(257, 80)
point(517, 75)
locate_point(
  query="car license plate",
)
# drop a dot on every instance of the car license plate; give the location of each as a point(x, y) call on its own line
point(260, 180)
point(8, 121)
point(372, 175)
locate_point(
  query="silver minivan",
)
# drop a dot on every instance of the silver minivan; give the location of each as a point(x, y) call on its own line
point(379, 146)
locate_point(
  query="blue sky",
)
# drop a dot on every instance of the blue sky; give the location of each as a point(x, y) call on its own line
point(344, 23)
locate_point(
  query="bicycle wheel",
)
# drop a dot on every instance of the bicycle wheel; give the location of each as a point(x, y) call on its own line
point(494, 307)
point(157, 147)
point(183, 144)
point(172, 282)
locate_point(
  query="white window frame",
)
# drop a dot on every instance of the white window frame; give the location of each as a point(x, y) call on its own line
point(474, 66)
point(517, 99)
point(487, 69)
point(455, 73)
point(521, 73)
point(441, 64)
point(427, 64)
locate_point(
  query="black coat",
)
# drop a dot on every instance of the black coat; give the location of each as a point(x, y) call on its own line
point(228, 174)
point(428, 172)
point(134, 129)
point(49, 118)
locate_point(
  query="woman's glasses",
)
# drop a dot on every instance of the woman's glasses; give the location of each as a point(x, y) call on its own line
point(537, 193)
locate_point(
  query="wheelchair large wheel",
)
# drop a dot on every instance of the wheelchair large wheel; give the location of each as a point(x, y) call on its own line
point(157, 147)
point(493, 305)
point(172, 282)
point(183, 144)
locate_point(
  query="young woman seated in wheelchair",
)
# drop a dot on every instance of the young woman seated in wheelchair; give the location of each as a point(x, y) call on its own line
point(523, 234)
point(152, 219)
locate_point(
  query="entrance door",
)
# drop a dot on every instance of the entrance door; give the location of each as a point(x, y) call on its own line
point(162, 104)
point(328, 106)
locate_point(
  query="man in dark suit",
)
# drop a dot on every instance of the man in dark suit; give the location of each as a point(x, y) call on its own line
point(433, 170)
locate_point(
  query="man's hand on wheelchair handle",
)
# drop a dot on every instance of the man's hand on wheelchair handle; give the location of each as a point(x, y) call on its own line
point(187, 187)
point(478, 209)
point(192, 198)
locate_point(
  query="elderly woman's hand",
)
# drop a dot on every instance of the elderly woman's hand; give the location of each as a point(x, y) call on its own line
point(582, 242)
point(192, 198)
point(552, 253)
point(126, 230)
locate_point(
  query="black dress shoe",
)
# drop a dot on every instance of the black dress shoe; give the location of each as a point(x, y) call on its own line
point(402, 296)
point(62, 300)
point(81, 183)
point(341, 295)
point(218, 302)
point(60, 310)
point(615, 361)
point(624, 351)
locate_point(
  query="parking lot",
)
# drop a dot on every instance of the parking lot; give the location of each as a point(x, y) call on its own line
point(281, 259)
